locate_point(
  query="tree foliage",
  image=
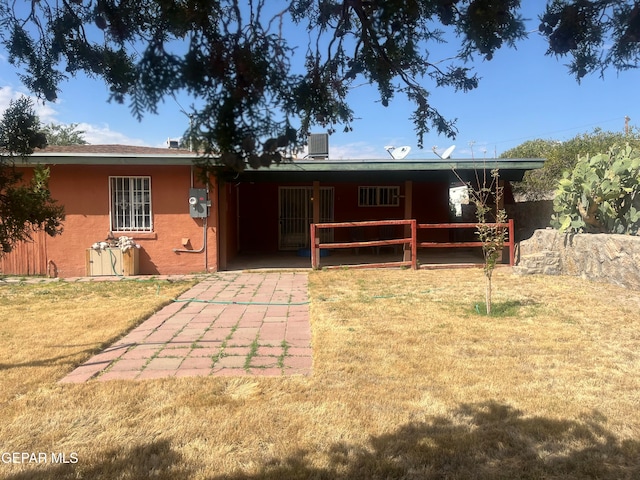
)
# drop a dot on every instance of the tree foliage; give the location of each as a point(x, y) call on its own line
point(601, 194)
point(25, 207)
point(58, 134)
point(595, 34)
point(258, 91)
point(563, 156)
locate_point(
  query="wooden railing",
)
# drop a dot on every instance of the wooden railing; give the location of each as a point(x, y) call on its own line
point(510, 244)
point(315, 240)
point(412, 228)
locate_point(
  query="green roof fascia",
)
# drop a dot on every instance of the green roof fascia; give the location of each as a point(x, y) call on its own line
point(306, 169)
point(414, 165)
point(385, 170)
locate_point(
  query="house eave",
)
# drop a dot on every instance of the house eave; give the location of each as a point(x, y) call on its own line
point(306, 170)
point(107, 159)
point(376, 170)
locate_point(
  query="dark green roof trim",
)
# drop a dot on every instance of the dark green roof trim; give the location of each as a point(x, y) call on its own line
point(308, 170)
point(406, 165)
point(394, 170)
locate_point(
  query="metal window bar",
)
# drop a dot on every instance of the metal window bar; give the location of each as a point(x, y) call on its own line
point(378, 196)
point(131, 204)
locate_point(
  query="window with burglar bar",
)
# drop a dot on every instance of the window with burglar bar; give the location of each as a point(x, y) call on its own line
point(130, 204)
point(378, 196)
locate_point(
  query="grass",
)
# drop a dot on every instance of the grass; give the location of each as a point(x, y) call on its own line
point(47, 329)
point(408, 382)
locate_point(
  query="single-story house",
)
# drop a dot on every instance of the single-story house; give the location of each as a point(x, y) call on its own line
point(154, 196)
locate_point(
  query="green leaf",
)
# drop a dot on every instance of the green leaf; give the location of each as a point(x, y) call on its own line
point(565, 223)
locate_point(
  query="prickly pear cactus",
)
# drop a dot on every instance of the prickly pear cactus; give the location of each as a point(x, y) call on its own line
point(601, 194)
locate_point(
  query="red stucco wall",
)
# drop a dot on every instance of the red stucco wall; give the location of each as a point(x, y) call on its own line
point(84, 192)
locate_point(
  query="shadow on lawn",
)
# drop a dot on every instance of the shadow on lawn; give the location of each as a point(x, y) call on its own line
point(490, 441)
point(484, 441)
point(47, 362)
point(70, 359)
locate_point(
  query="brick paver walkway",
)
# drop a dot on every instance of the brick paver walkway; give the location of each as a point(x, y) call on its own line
point(229, 324)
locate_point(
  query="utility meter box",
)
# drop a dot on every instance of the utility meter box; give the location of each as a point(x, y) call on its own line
point(198, 203)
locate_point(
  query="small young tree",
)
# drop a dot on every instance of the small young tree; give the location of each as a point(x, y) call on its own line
point(601, 194)
point(487, 197)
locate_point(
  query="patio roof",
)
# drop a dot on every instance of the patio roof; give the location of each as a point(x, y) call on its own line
point(389, 170)
point(306, 170)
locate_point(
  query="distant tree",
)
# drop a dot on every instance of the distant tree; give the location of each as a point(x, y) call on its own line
point(236, 58)
point(58, 134)
point(25, 207)
point(562, 157)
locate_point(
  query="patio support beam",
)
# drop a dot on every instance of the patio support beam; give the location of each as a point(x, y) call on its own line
point(315, 252)
point(408, 215)
point(222, 227)
point(316, 202)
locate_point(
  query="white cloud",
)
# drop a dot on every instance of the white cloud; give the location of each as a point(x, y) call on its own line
point(94, 134)
point(356, 150)
point(45, 111)
point(103, 135)
point(349, 151)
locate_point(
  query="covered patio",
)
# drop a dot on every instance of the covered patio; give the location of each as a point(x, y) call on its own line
point(265, 214)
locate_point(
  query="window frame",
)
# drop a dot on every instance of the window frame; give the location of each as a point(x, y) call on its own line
point(389, 199)
point(115, 222)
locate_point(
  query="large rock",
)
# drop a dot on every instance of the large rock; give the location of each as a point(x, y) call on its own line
point(599, 257)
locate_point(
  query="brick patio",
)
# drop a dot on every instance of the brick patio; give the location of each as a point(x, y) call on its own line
point(230, 323)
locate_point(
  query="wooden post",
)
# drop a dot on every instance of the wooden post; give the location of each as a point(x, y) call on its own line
point(222, 225)
point(314, 250)
point(414, 244)
point(408, 214)
point(316, 202)
point(315, 239)
point(512, 243)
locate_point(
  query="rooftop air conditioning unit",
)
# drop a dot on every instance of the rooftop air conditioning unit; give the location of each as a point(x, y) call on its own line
point(319, 146)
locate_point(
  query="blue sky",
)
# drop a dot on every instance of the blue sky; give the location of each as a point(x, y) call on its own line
point(522, 95)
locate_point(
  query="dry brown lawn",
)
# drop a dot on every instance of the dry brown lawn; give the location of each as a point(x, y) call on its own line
point(408, 382)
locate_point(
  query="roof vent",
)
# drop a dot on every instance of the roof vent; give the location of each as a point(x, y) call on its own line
point(319, 146)
point(173, 143)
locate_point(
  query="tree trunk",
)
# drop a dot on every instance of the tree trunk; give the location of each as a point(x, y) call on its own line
point(488, 295)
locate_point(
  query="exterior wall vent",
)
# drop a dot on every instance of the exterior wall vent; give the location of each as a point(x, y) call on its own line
point(319, 146)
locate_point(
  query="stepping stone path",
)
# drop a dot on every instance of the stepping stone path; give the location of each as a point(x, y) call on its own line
point(231, 323)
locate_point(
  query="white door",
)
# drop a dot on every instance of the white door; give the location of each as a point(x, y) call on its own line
point(296, 215)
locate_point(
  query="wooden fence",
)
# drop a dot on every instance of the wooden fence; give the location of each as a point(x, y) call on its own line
point(26, 258)
point(410, 238)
